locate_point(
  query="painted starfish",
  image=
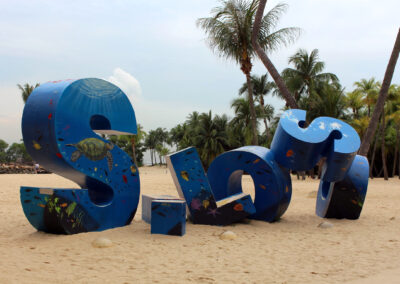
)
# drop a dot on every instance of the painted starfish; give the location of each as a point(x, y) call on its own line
point(195, 204)
point(213, 212)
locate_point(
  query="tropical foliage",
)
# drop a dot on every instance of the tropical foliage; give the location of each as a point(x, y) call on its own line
point(229, 32)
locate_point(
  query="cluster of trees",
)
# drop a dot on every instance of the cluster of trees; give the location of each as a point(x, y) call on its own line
point(15, 152)
point(239, 30)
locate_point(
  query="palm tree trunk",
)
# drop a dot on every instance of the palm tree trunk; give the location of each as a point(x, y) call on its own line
point(265, 119)
point(290, 101)
point(365, 145)
point(266, 129)
point(385, 170)
point(396, 150)
point(134, 150)
point(371, 174)
point(253, 122)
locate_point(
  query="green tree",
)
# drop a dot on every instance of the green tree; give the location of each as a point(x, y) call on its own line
point(17, 153)
point(261, 88)
point(307, 72)
point(354, 100)
point(151, 143)
point(26, 90)
point(257, 28)
point(3, 148)
point(380, 104)
point(211, 137)
point(369, 90)
point(229, 33)
point(241, 121)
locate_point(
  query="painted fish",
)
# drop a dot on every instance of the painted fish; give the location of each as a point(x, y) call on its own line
point(36, 145)
point(185, 175)
point(238, 207)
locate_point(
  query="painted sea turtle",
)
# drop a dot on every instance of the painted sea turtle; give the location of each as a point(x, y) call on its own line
point(94, 149)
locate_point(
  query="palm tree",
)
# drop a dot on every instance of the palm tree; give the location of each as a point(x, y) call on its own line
point(354, 100)
point(137, 138)
point(211, 137)
point(261, 88)
point(369, 90)
point(307, 72)
point(360, 125)
point(26, 90)
point(257, 28)
point(151, 144)
point(393, 115)
point(381, 98)
point(325, 100)
point(241, 108)
point(229, 33)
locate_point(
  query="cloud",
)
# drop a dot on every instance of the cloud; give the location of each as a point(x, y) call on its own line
point(153, 113)
point(128, 84)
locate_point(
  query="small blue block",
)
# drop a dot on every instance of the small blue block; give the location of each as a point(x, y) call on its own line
point(168, 217)
point(146, 204)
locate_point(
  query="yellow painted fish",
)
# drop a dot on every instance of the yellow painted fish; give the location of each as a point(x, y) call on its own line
point(36, 145)
point(185, 175)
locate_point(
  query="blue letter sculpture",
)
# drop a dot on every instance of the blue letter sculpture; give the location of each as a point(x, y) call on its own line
point(273, 188)
point(344, 178)
point(58, 127)
point(343, 184)
point(192, 184)
point(168, 217)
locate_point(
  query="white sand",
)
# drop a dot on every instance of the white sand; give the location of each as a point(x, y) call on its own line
point(294, 250)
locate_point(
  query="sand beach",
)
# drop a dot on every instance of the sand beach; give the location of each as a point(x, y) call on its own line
point(293, 250)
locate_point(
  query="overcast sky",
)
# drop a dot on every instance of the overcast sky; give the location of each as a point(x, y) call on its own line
point(153, 50)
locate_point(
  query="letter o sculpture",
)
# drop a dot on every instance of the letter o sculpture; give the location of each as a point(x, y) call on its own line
point(273, 187)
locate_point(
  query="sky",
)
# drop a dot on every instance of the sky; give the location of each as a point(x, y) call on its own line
point(155, 53)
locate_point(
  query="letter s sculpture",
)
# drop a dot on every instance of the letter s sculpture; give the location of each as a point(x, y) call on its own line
point(58, 126)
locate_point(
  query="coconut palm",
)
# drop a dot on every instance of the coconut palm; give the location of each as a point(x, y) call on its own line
point(261, 88)
point(380, 104)
point(241, 108)
point(135, 139)
point(151, 144)
point(354, 100)
point(324, 100)
point(257, 27)
point(229, 34)
point(307, 72)
point(26, 90)
point(369, 90)
point(211, 137)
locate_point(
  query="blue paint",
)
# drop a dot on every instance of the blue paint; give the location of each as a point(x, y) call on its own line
point(299, 148)
point(192, 184)
point(58, 130)
point(146, 204)
point(168, 217)
point(345, 198)
point(272, 183)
